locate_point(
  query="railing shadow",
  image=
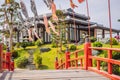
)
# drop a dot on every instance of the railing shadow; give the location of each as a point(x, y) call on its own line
point(4, 75)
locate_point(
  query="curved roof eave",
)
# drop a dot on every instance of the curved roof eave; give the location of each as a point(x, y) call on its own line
point(79, 21)
point(99, 26)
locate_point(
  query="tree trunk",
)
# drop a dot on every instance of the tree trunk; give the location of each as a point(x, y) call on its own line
point(11, 38)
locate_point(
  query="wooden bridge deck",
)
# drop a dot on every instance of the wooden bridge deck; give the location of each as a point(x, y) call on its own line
point(53, 75)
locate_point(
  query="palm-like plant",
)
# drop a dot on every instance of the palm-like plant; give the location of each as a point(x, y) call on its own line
point(8, 14)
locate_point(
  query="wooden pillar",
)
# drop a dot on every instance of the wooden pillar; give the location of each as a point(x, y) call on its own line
point(103, 33)
point(95, 32)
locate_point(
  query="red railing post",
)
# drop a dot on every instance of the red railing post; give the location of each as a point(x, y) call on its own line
point(3, 61)
point(56, 63)
point(61, 62)
point(1, 58)
point(12, 65)
point(87, 53)
point(67, 57)
point(98, 64)
point(8, 60)
point(76, 56)
point(109, 64)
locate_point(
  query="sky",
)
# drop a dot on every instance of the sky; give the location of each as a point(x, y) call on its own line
point(98, 10)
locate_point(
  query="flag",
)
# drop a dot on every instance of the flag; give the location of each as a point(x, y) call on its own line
point(24, 10)
point(46, 2)
point(20, 16)
point(80, 1)
point(53, 7)
point(33, 7)
point(7, 1)
point(72, 4)
point(46, 24)
point(53, 27)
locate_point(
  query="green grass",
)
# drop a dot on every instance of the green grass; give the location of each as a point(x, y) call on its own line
point(48, 58)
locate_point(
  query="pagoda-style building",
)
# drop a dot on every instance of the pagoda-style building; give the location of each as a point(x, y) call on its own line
point(81, 25)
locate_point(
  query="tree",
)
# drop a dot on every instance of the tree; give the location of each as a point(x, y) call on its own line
point(8, 14)
point(61, 27)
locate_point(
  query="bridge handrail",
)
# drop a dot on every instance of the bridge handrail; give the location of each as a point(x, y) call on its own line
point(87, 58)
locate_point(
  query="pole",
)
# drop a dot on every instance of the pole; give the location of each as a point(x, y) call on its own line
point(88, 18)
point(110, 24)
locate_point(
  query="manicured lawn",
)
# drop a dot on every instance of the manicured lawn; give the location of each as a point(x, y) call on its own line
point(48, 58)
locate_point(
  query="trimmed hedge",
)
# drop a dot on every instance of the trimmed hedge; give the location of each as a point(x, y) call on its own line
point(21, 62)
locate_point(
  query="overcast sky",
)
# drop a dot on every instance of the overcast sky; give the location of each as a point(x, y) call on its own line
point(98, 10)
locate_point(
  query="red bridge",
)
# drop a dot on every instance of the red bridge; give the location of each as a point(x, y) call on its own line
point(78, 67)
point(86, 61)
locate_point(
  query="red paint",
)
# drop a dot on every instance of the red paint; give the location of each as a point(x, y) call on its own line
point(67, 62)
point(8, 60)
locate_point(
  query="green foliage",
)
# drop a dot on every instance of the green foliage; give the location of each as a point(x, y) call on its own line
point(24, 45)
point(97, 44)
point(93, 39)
point(114, 41)
point(37, 60)
point(4, 47)
point(21, 62)
point(73, 47)
point(38, 43)
point(54, 45)
point(15, 54)
point(18, 45)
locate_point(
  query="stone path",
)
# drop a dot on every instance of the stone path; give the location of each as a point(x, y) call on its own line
point(53, 75)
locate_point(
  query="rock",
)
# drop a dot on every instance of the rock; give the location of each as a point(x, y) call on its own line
point(95, 52)
point(44, 49)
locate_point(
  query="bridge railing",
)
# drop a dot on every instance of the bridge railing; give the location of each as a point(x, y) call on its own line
point(85, 61)
point(6, 63)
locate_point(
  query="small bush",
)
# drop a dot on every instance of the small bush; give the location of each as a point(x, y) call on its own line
point(73, 47)
point(54, 45)
point(30, 43)
point(37, 60)
point(38, 43)
point(24, 45)
point(18, 45)
point(93, 39)
point(21, 62)
point(15, 54)
point(114, 41)
point(97, 44)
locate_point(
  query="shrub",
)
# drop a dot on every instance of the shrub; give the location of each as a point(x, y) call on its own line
point(114, 41)
point(73, 47)
point(97, 44)
point(93, 39)
point(30, 43)
point(18, 44)
point(24, 45)
point(37, 60)
point(15, 54)
point(54, 45)
point(21, 62)
point(38, 43)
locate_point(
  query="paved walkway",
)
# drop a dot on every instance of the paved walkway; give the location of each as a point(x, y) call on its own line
point(53, 75)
